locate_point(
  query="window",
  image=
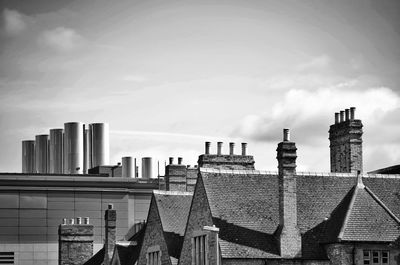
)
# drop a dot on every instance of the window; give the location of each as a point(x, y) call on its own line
point(366, 257)
point(375, 257)
point(6, 257)
point(153, 255)
point(199, 250)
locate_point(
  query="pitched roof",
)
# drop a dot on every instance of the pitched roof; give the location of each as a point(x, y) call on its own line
point(363, 217)
point(173, 208)
point(246, 203)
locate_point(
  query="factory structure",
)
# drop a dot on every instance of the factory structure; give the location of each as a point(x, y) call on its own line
point(78, 149)
point(66, 174)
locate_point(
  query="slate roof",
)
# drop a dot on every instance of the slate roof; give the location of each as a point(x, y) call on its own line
point(244, 205)
point(173, 208)
point(362, 216)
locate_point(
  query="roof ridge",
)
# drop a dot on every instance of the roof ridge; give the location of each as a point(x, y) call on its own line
point(168, 192)
point(382, 204)
point(348, 212)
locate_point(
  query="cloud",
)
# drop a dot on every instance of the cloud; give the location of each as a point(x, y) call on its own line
point(306, 111)
point(61, 39)
point(14, 22)
point(309, 113)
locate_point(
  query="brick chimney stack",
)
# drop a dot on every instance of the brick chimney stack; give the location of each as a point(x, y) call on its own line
point(110, 218)
point(75, 242)
point(346, 143)
point(175, 176)
point(288, 234)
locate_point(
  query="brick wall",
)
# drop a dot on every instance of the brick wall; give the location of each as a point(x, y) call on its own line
point(200, 216)
point(75, 244)
point(346, 146)
point(175, 177)
point(288, 233)
point(154, 236)
point(240, 162)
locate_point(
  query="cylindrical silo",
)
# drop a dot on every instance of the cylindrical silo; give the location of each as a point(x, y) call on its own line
point(100, 144)
point(87, 143)
point(28, 156)
point(146, 167)
point(56, 151)
point(127, 167)
point(42, 153)
point(73, 148)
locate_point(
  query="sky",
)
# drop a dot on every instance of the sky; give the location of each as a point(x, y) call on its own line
point(169, 75)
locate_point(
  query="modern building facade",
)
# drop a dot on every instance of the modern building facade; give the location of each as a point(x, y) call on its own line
point(33, 206)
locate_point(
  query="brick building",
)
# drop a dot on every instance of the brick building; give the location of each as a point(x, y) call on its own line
point(239, 215)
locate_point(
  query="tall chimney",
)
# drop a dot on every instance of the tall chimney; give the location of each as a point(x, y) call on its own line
point(219, 148)
point(28, 156)
point(288, 233)
point(346, 144)
point(110, 219)
point(207, 151)
point(244, 147)
point(42, 153)
point(56, 151)
point(231, 148)
point(127, 167)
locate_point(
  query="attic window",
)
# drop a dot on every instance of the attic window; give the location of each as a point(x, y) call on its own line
point(6, 257)
point(199, 250)
point(375, 257)
point(153, 255)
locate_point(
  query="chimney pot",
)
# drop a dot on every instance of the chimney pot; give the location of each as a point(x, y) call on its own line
point(341, 116)
point(286, 135)
point(71, 221)
point(347, 113)
point(171, 160)
point(244, 147)
point(219, 148)
point(110, 206)
point(231, 148)
point(352, 113)
point(79, 220)
point(207, 151)
point(86, 221)
point(336, 117)
point(179, 160)
point(64, 221)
